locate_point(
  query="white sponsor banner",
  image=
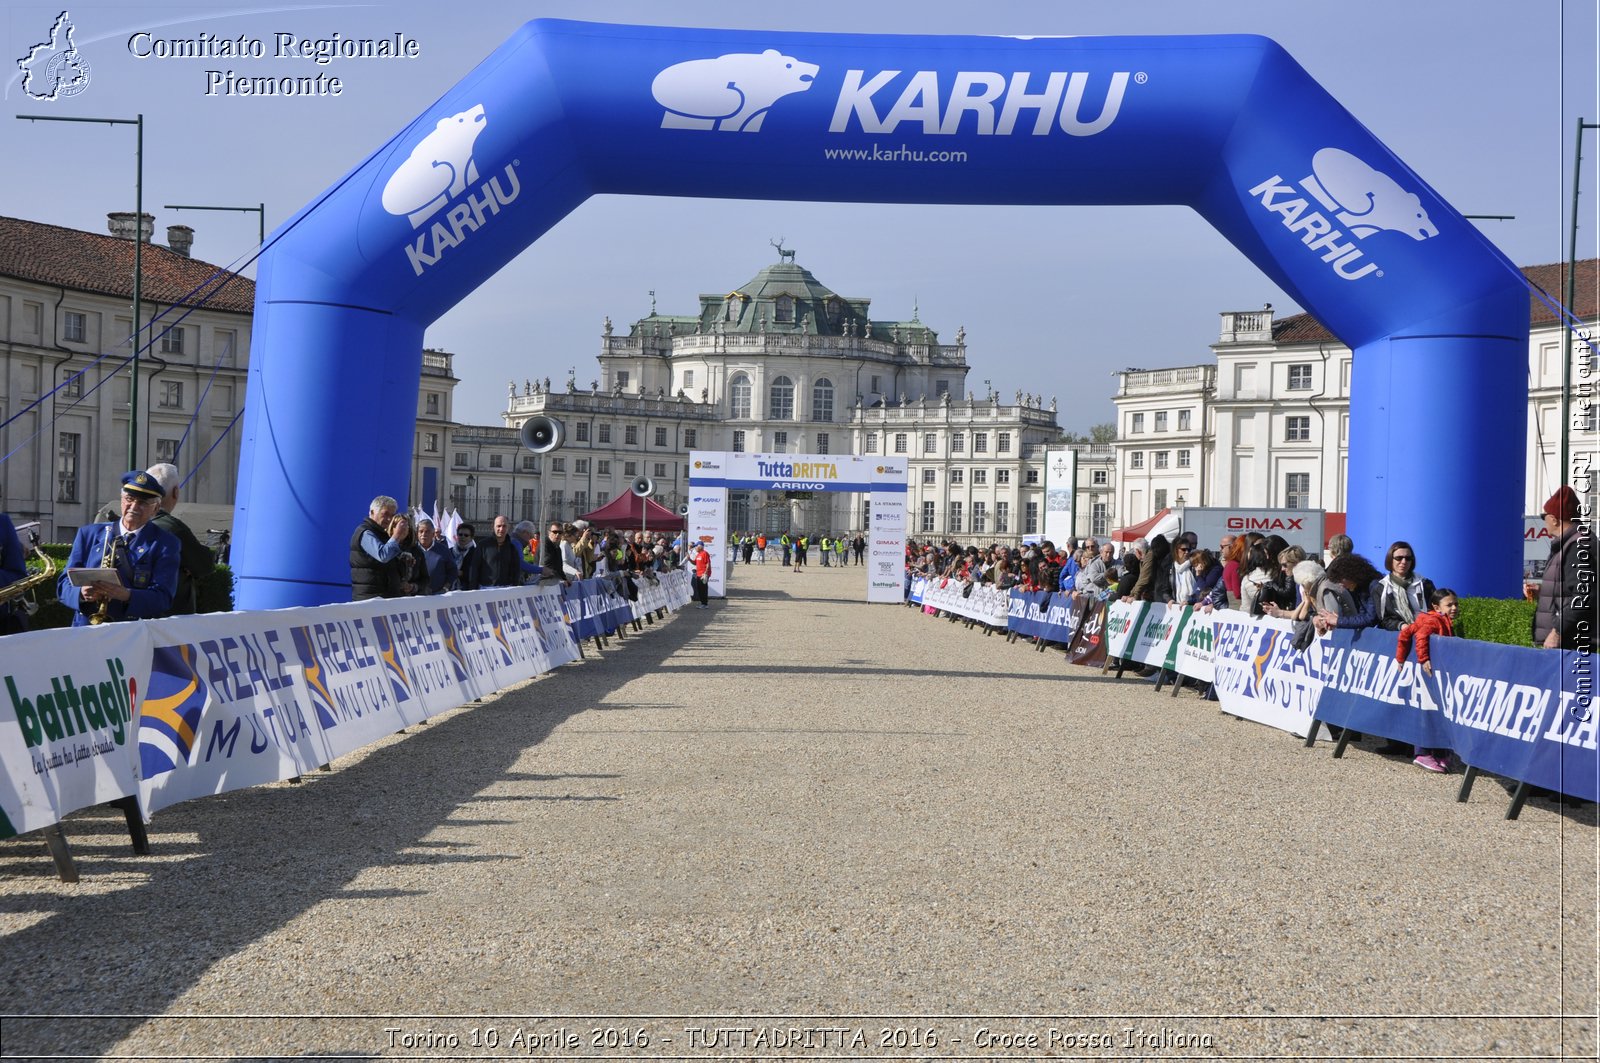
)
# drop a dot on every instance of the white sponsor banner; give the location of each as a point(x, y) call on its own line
point(1194, 647)
point(886, 535)
point(1260, 676)
point(67, 731)
point(1060, 477)
point(1122, 624)
point(707, 524)
point(983, 603)
point(241, 699)
point(1155, 634)
point(669, 590)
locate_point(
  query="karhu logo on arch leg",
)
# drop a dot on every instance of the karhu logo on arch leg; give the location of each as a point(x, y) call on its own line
point(1357, 200)
point(442, 169)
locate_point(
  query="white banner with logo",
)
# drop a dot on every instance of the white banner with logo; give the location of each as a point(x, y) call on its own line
point(1060, 481)
point(707, 524)
point(975, 601)
point(241, 699)
point(1193, 650)
point(668, 590)
point(713, 474)
point(886, 538)
point(67, 721)
point(1260, 676)
point(1157, 631)
point(1122, 625)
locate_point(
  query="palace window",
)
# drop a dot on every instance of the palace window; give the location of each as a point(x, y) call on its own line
point(780, 400)
point(822, 400)
point(739, 396)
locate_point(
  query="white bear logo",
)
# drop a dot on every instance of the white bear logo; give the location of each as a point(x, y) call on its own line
point(1364, 200)
point(731, 92)
point(440, 167)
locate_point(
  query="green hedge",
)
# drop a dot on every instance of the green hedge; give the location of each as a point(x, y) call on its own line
point(215, 592)
point(1506, 621)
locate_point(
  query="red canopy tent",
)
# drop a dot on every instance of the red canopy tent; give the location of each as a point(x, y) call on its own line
point(630, 511)
point(1146, 528)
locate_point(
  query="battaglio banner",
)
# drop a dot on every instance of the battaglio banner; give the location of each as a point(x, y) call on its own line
point(67, 721)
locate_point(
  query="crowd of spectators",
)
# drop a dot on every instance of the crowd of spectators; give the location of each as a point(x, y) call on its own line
point(1265, 576)
point(391, 559)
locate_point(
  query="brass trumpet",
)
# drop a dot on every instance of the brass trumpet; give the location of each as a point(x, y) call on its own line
point(115, 556)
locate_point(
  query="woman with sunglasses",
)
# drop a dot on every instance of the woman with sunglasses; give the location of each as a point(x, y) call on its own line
point(1402, 595)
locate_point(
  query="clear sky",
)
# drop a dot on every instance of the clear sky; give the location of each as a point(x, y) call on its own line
point(1480, 97)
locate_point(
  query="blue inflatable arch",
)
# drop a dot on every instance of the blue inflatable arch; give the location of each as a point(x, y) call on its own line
point(1228, 125)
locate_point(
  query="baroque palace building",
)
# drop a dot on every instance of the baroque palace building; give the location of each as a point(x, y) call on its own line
point(779, 365)
point(1267, 423)
point(65, 388)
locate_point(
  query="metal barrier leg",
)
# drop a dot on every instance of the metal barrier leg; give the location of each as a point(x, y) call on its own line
point(1519, 797)
point(1344, 740)
point(136, 831)
point(57, 844)
point(1468, 777)
point(1311, 735)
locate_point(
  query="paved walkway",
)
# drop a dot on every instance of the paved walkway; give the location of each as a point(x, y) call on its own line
point(798, 805)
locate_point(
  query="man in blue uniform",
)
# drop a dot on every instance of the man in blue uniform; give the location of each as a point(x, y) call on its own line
point(145, 558)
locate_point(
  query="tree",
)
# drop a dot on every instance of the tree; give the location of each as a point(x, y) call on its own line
point(1103, 433)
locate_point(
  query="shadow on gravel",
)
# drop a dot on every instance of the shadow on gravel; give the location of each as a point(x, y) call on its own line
point(139, 932)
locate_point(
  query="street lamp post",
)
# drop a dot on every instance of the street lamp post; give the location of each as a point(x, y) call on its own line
point(259, 210)
point(138, 259)
point(1570, 301)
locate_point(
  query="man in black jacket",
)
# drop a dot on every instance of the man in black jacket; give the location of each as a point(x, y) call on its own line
point(500, 561)
point(374, 546)
point(198, 561)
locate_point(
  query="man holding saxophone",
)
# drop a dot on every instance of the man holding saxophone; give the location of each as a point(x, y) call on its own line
point(145, 558)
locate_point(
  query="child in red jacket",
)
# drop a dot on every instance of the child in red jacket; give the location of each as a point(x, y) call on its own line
point(1440, 619)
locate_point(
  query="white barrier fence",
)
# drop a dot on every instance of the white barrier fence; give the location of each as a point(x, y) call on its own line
point(185, 707)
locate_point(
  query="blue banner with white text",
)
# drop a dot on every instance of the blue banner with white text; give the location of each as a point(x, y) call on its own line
point(1503, 709)
point(1042, 614)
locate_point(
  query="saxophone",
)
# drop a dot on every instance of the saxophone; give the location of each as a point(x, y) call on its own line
point(26, 585)
point(115, 556)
